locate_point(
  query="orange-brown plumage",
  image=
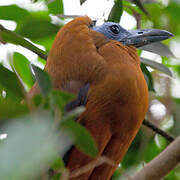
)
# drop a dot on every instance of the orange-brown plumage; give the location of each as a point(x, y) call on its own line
point(115, 109)
point(117, 97)
point(73, 59)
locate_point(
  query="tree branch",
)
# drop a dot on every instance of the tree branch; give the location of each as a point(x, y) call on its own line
point(136, 15)
point(157, 130)
point(162, 164)
point(14, 38)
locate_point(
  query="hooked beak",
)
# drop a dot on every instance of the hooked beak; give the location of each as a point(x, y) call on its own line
point(142, 37)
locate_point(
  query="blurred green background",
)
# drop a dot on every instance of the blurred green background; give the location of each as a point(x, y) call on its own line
point(38, 131)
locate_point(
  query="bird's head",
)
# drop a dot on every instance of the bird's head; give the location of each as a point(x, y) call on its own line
point(137, 38)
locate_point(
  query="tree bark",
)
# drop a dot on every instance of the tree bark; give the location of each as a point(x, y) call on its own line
point(161, 165)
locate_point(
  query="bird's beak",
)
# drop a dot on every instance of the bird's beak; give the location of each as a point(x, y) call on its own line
point(141, 37)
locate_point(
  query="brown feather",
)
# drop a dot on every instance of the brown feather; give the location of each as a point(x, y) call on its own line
point(118, 94)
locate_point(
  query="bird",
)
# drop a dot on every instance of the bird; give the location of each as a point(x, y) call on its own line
point(100, 63)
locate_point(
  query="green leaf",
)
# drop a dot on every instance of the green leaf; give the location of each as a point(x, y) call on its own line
point(148, 77)
point(83, 139)
point(56, 7)
point(160, 141)
point(37, 28)
point(10, 83)
point(12, 12)
point(140, 5)
point(57, 164)
point(9, 108)
point(21, 65)
point(56, 176)
point(151, 150)
point(130, 8)
point(116, 11)
point(173, 175)
point(156, 65)
point(29, 149)
point(134, 153)
point(117, 174)
point(14, 38)
point(158, 48)
point(176, 68)
point(46, 42)
point(43, 80)
point(168, 19)
point(42, 61)
point(61, 98)
point(37, 100)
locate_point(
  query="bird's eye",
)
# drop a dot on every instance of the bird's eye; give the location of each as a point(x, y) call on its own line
point(91, 25)
point(115, 29)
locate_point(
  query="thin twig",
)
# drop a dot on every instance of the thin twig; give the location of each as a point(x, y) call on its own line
point(91, 166)
point(136, 15)
point(150, 125)
point(138, 19)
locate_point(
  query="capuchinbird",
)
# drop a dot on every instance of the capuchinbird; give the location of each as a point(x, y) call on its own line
point(104, 58)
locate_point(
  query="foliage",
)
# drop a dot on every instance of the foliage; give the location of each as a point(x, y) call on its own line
point(39, 130)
